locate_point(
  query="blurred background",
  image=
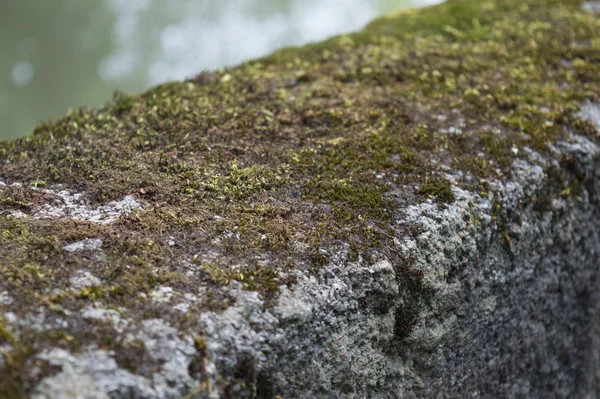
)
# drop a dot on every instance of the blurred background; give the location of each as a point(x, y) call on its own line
point(60, 54)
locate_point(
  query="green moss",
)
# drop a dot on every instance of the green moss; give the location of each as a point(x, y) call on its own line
point(5, 335)
point(122, 102)
point(347, 197)
point(12, 379)
point(240, 183)
point(11, 382)
point(256, 278)
point(440, 189)
point(93, 292)
point(269, 165)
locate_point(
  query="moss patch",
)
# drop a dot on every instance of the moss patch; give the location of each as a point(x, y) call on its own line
point(269, 165)
point(439, 189)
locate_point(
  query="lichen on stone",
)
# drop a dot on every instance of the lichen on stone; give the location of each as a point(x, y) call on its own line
point(201, 216)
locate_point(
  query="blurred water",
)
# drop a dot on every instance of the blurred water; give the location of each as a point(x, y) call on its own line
point(57, 54)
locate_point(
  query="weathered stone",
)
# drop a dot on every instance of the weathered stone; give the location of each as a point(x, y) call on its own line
point(89, 244)
point(412, 211)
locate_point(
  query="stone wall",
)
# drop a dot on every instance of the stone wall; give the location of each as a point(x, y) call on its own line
point(411, 211)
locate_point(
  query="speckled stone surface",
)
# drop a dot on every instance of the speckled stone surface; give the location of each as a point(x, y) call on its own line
point(411, 211)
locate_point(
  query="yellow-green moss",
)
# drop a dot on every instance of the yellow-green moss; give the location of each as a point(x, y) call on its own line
point(271, 163)
point(439, 189)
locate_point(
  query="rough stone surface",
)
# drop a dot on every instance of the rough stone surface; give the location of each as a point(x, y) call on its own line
point(65, 204)
point(382, 215)
point(89, 244)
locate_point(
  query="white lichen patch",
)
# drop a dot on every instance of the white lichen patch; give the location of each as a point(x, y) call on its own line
point(5, 298)
point(112, 317)
point(40, 320)
point(82, 278)
point(92, 375)
point(75, 207)
point(89, 244)
point(64, 204)
point(161, 294)
point(101, 314)
point(10, 318)
point(164, 294)
point(591, 111)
